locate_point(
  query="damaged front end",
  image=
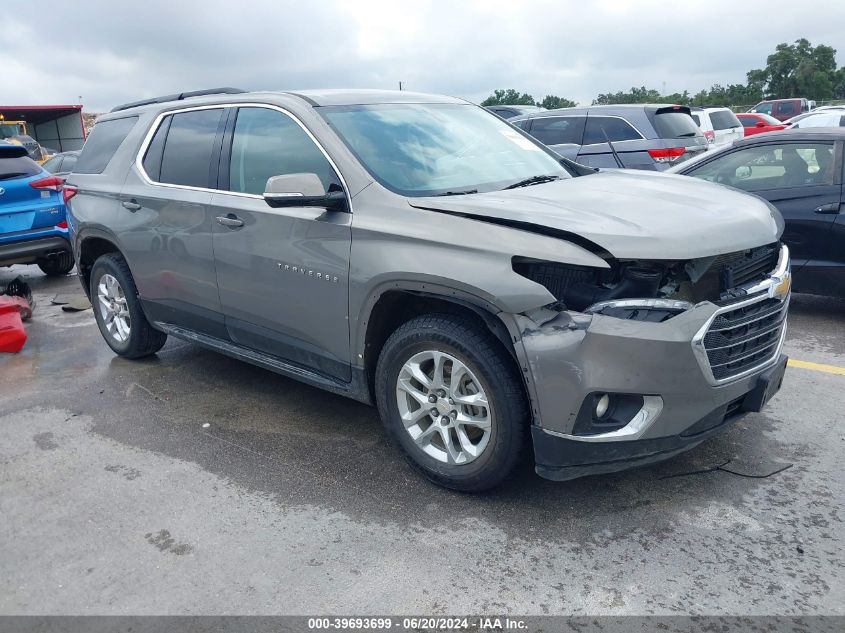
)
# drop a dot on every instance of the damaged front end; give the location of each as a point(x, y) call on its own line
point(651, 290)
point(647, 358)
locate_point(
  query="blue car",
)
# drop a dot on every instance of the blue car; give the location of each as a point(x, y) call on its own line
point(33, 227)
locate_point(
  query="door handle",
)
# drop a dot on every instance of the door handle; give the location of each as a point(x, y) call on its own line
point(131, 205)
point(828, 209)
point(231, 220)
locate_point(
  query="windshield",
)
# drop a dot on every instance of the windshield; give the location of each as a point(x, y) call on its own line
point(439, 149)
point(9, 129)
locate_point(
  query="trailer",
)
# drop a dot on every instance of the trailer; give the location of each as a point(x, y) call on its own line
point(43, 129)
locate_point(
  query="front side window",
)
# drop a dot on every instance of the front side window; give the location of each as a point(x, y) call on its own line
point(432, 149)
point(186, 155)
point(763, 108)
point(771, 166)
point(601, 128)
point(559, 130)
point(268, 143)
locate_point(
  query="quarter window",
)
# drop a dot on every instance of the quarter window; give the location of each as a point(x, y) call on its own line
point(616, 130)
point(268, 143)
point(102, 144)
point(553, 130)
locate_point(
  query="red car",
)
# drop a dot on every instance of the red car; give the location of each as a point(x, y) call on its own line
point(756, 123)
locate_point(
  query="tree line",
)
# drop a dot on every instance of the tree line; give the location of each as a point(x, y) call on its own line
point(793, 70)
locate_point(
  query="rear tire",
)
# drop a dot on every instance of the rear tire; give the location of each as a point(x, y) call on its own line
point(425, 410)
point(117, 309)
point(57, 265)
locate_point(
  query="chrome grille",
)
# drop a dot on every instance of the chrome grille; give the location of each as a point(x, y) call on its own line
point(745, 337)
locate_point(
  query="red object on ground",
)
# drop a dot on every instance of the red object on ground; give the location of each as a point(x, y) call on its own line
point(12, 333)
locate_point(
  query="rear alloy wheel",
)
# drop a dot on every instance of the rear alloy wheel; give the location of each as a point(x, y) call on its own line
point(118, 311)
point(451, 398)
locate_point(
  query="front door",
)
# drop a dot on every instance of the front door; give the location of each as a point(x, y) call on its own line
point(282, 274)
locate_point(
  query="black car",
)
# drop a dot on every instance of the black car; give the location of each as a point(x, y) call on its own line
point(800, 171)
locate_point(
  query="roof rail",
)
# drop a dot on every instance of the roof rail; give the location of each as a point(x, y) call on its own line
point(178, 97)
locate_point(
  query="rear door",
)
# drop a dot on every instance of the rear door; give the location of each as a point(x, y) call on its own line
point(563, 134)
point(283, 273)
point(628, 142)
point(165, 229)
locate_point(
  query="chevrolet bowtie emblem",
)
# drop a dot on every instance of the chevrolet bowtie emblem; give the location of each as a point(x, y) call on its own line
point(781, 290)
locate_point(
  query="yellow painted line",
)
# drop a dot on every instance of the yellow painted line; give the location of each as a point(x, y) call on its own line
point(828, 369)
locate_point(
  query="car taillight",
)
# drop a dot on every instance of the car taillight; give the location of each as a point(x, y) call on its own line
point(666, 155)
point(68, 192)
point(710, 135)
point(53, 183)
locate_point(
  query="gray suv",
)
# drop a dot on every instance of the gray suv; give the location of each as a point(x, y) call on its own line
point(419, 253)
point(652, 137)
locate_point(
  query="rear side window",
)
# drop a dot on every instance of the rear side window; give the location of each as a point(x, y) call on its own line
point(697, 119)
point(674, 124)
point(102, 143)
point(186, 156)
point(615, 128)
point(724, 120)
point(18, 167)
point(267, 143)
point(553, 130)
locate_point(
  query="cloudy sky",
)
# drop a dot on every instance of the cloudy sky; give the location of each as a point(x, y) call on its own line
point(112, 51)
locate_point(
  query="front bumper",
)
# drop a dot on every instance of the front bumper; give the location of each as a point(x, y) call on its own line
point(572, 356)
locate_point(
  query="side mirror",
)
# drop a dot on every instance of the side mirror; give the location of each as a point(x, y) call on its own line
point(302, 190)
point(760, 124)
point(743, 172)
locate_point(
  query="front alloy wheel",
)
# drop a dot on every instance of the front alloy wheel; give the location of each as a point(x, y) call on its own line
point(451, 399)
point(443, 407)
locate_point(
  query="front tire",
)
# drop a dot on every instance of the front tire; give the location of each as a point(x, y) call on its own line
point(451, 399)
point(117, 309)
point(57, 265)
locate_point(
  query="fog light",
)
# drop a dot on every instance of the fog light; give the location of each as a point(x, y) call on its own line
point(602, 405)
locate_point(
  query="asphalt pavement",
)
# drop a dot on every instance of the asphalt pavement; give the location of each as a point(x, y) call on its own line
point(192, 483)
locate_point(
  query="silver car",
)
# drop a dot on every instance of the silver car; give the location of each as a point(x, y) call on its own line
point(652, 137)
point(419, 253)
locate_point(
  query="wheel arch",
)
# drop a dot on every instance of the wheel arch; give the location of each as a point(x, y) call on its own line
point(92, 245)
point(395, 303)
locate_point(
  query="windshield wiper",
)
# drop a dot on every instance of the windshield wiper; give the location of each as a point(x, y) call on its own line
point(8, 176)
point(534, 180)
point(457, 193)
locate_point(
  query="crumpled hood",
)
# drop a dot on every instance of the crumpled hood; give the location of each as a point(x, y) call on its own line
point(632, 214)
